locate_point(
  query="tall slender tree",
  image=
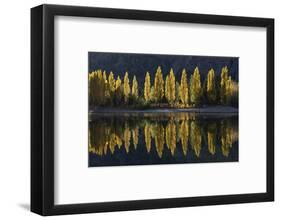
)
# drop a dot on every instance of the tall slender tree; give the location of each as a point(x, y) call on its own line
point(111, 82)
point(195, 87)
point(97, 87)
point(224, 78)
point(135, 89)
point(211, 86)
point(171, 84)
point(184, 88)
point(118, 83)
point(118, 91)
point(229, 90)
point(127, 90)
point(106, 90)
point(167, 88)
point(104, 76)
point(147, 87)
point(158, 85)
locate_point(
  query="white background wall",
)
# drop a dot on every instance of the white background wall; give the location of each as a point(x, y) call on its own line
point(15, 107)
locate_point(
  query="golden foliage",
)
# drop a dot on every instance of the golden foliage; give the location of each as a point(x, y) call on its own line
point(147, 87)
point(184, 89)
point(158, 85)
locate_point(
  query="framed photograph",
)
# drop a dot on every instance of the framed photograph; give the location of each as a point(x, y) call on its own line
point(139, 109)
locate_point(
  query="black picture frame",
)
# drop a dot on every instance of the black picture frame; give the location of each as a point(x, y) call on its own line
point(42, 109)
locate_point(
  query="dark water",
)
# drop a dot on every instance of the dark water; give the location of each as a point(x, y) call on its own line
point(166, 138)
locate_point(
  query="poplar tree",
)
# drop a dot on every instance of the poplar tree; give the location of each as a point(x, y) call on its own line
point(135, 90)
point(195, 87)
point(184, 88)
point(111, 82)
point(147, 87)
point(229, 90)
point(126, 88)
point(152, 97)
point(118, 90)
point(118, 83)
point(158, 85)
point(104, 76)
point(167, 88)
point(211, 86)
point(178, 92)
point(172, 87)
point(107, 87)
point(97, 86)
point(224, 78)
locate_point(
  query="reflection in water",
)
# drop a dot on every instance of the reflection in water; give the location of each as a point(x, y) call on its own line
point(147, 138)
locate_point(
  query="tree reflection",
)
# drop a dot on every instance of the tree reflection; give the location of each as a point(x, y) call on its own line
point(171, 136)
point(158, 133)
point(196, 138)
point(127, 137)
point(184, 134)
point(227, 137)
point(159, 138)
point(147, 135)
point(211, 135)
point(135, 134)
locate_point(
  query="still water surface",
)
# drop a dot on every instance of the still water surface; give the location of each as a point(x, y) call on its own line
point(117, 139)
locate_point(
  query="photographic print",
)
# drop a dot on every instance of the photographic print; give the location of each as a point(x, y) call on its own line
point(149, 109)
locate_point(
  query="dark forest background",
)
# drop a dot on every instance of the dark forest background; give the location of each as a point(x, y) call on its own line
point(139, 64)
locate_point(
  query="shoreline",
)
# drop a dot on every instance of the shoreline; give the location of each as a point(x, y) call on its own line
point(213, 109)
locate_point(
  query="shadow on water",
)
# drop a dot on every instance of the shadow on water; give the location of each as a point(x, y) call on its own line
point(167, 138)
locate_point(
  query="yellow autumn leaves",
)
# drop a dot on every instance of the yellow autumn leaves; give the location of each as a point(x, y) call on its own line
point(106, 90)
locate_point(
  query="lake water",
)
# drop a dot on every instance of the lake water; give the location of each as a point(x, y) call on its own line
point(117, 139)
